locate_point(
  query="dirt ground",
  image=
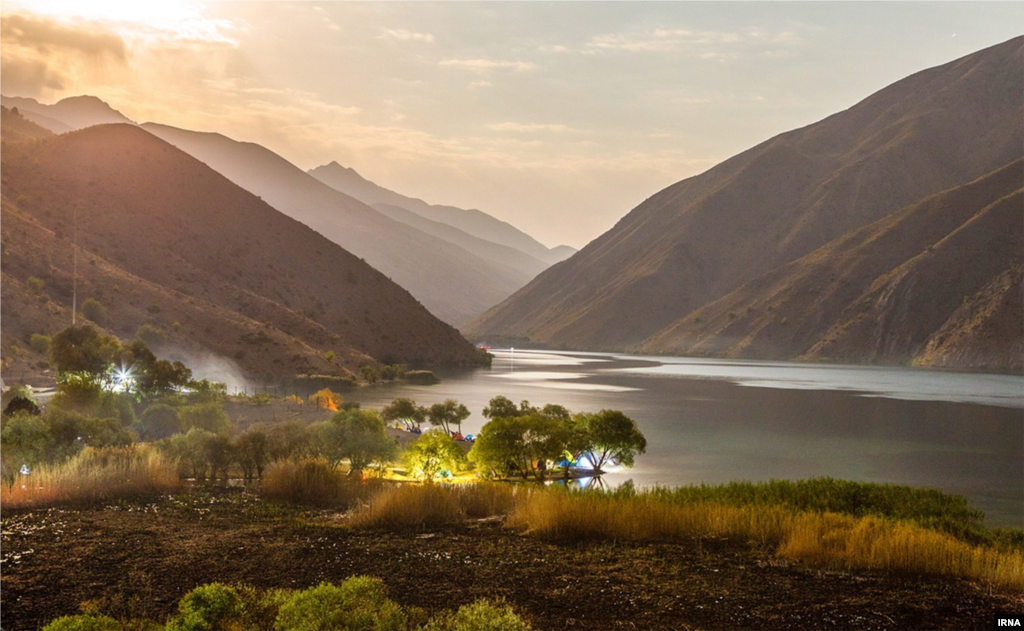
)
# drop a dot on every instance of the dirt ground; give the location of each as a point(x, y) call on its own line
point(138, 559)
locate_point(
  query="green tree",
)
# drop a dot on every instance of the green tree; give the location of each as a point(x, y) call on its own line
point(212, 607)
point(159, 421)
point(189, 450)
point(290, 440)
point(82, 349)
point(611, 436)
point(208, 416)
point(364, 439)
point(446, 414)
point(252, 451)
point(501, 407)
point(369, 374)
point(24, 439)
point(432, 453)
point(406, 411)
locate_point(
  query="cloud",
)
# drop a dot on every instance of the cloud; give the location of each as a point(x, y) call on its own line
point(40, 56)
point(486, 65)
point(409, 36)
point(704, 44)
point(530, 127)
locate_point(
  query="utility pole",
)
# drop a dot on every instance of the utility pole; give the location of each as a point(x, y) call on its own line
point(74, 274)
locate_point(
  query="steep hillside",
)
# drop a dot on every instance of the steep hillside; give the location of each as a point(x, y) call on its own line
point(817, 305)
point(474, 222)
point(17, 127)
point(452, 283)
point(515, 262)
point(704, 237)
point(164, 239)
point(76, 112)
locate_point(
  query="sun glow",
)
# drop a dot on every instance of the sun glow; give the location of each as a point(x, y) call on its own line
point(136, 20)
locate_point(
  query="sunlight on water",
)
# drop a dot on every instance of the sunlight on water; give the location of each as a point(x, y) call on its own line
point(560, 381)
point(895, 383)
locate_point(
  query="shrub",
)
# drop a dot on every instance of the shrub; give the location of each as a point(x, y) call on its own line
point(83, 623)
point(360, 603)
point(151, 335)
point(94, 310)
point(34, 284)
point(483, 615)
point(326, 399)
point(40, 343)
point(209, 416)
point(212, 607)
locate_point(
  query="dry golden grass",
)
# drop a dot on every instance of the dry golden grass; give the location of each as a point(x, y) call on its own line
point(819, 539)
point(314, 482)
point(409, 506)
point(94, 475)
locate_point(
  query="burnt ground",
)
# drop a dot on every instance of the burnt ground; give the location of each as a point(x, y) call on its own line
point(138, 559)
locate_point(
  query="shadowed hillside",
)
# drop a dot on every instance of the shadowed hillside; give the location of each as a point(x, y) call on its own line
point(168, 242)
point(76, 112)
point(876, 295)
point(704, 237)
point(452, 283)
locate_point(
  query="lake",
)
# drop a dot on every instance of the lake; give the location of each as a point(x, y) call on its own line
point(709, 420)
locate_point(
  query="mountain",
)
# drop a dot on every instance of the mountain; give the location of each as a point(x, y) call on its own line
point(880, 294)
point(165, 241)
point(452, 283)
point(17, 127)
point(76, 112)
point(474, 222)
point(703, 238)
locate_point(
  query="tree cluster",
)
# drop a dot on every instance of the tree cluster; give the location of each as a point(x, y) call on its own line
point(523, 440)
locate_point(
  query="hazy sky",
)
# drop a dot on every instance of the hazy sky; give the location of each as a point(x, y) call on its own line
point(556, 117)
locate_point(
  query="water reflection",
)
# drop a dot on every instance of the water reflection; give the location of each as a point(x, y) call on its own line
point(717, 421)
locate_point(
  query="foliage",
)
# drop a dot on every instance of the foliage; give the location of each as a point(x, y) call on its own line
point(150, 335)
point(509, 445)
point(83, 623)
point(211, 607)
point(35, 285)
point(40, 343)
point(82, 349)
point(431, 454)
point(252, 451)
point(21, 404)
point(611, 436)
point(290, 440)
point(326, 399)
point(363, 439)
point(404, 410)
point(208, 416)
point(159, 420)
point(360, 603)
point(369, 374)
point(446, 414)
point(94, 310)
point(483, 615)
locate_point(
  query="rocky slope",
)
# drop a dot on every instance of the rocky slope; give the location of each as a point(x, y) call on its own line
point(705, 237)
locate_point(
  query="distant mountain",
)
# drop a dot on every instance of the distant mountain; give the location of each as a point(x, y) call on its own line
point(76, 112)
point(167, 242)
point(474, 222)
point(451, 282)
point(641, 284)
point(17, 127)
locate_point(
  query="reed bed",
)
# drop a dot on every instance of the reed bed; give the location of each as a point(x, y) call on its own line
point(94, 475)
point(316, 483)
point(418, 507)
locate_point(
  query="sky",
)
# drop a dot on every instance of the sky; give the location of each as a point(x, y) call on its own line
point(556, 117)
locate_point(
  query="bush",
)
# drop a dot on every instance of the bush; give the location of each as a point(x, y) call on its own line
point(360, 603)
point(209, 416)
point(40, 343)
point(35, 285)
point(483, 615)
point(83, 623)
point(210, 607)
point(94, 310)
point(432, 454)
point(151, 335)
point(159, 421)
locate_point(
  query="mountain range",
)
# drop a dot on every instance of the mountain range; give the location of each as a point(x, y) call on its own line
point(164, 241)
point(886, 233)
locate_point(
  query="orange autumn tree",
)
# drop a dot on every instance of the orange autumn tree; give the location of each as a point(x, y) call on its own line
point(326, 399)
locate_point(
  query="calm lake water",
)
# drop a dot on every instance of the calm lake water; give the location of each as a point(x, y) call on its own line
point(722, 420)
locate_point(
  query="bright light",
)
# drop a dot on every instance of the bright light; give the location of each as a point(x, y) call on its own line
point(123, 379)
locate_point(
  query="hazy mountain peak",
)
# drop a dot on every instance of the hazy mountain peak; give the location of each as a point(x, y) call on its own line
point(73, 112)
